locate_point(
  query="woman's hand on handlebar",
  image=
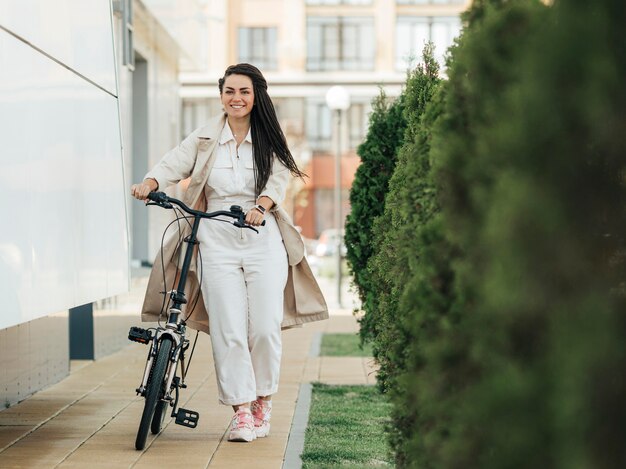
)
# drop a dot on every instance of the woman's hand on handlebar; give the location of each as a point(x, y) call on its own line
point(140, 191)
point(254, 217)
point(256, 214)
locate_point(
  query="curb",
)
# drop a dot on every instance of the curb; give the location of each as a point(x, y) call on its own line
point(295, 443)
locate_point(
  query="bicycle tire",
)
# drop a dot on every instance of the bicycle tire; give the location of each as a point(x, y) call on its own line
point(160, 412)
point(153, 390)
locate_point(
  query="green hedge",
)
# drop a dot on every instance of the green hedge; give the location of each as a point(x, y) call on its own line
point(378, 159)
point(405, 235)
point(542, 242)
point(497, 269)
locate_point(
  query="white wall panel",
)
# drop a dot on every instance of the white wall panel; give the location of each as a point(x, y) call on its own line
point(63, 232)
point(75, 32)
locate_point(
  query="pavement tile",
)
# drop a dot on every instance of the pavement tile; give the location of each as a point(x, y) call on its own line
point(98, 411)
point(12, 433)
point(342, 370)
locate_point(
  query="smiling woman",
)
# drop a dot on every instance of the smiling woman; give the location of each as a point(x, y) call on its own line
point(241, 158)
point(238, 99)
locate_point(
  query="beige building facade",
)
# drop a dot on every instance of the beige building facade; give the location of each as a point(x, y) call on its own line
point(303, 48)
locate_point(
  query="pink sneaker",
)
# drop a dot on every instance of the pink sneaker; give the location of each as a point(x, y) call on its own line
point(262, 412)
point(242, 426)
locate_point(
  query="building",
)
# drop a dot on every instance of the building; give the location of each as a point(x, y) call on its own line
point(90, 99)
point(304, 47)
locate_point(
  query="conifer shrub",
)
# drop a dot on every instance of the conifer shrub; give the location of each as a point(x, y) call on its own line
point(497, 271)
point(545, 249)
point(408, 204)
point(378, 159)
point(444, 296)
point(429, 345)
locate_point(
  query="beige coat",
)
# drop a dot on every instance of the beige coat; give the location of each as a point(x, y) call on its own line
point(195, 157)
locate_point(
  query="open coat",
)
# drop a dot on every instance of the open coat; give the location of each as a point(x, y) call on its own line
point(194, 157)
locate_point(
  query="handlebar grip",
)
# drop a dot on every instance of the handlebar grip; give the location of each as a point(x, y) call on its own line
point(157, 196)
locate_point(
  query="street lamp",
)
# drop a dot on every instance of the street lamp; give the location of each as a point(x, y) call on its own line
point(338, 99)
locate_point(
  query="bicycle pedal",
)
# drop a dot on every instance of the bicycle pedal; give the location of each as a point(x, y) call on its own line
point(187, 418)
point(137, 334)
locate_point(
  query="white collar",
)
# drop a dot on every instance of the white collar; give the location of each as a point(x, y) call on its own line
point(227, 134)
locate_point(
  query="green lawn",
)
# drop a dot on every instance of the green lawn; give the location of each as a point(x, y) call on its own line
point(344, 345)
point(346, 428)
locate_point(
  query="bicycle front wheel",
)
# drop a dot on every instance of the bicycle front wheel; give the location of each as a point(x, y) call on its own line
point(159, 416)
point(153, 390)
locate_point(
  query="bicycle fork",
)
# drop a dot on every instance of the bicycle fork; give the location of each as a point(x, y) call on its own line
point(184, 417)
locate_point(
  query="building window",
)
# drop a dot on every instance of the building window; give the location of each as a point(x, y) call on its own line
point(338, 2)
point(319, 124)
point(358, 120)
point(340, 43)
point(412, 33)
point(124, 9)
point(257, 46)
point(198, 112)
point(430, 2)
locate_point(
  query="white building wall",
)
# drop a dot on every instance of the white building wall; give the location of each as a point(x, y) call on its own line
point(62, 178)
point(64, 240)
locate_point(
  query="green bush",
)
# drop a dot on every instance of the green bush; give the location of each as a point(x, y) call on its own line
point(407, 235)
point(408, 204)
point(497, 279)
point(378, 159)
point(544, 247)
point(483, 69)
point(425, 296)
point(519, 362)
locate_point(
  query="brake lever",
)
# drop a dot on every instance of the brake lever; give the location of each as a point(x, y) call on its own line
point(243, 225)
point(160, 204)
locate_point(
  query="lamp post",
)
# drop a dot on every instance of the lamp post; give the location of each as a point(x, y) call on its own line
point(338, 99)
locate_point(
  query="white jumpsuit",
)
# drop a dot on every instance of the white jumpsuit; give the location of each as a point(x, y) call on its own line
point(243, 279)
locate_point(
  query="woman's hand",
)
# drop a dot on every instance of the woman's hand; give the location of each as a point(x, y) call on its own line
point(256, 214)
point(140, 191)
point(254, 217)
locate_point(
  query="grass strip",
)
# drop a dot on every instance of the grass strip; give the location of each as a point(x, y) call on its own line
point(346, 428)
point(344, 345)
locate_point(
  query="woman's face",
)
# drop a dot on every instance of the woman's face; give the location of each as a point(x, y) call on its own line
point(238, 96)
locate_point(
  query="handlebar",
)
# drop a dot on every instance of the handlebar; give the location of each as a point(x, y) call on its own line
point(236, 212)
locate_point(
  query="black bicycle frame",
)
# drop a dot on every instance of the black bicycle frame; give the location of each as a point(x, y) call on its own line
point(178, 295)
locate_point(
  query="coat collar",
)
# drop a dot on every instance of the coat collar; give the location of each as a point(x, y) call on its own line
point(214, 127)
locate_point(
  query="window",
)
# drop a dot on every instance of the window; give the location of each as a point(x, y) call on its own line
point(340, 43)
point(320, 122)
point(413, 32)
point(338, 2)
point(430, 2)
point(197, 112)
point(257, 46)
point(124, 9)
point(358, 119)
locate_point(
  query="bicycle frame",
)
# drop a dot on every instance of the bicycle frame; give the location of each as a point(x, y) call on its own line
point(175, 326)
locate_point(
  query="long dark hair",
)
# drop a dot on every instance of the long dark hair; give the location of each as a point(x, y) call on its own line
point(268, 138)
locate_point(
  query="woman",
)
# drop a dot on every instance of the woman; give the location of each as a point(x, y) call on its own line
point(251, 283)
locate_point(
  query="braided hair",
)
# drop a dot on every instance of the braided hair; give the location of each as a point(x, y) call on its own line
point(268, 139)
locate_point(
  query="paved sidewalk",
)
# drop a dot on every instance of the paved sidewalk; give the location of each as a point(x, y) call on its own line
point(90, 418)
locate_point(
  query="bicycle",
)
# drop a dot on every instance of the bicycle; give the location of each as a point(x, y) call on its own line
point(168, 344)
